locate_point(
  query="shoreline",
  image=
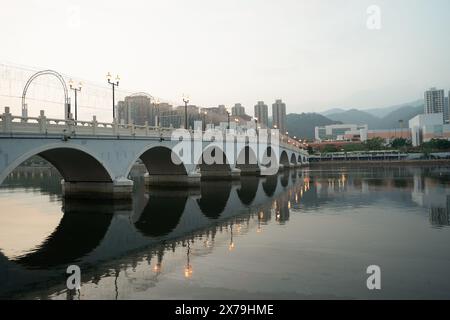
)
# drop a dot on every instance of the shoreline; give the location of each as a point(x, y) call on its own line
point(436, 162)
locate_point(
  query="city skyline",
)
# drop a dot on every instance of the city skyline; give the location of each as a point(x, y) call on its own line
point(191, 48)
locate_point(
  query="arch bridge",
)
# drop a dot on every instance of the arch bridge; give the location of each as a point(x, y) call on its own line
point(95, 159)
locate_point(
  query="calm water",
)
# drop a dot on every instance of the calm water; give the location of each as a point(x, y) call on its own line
point(304, 234)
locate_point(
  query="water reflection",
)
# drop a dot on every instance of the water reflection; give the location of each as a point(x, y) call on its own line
point(214, 197)
point(162, 213)
point(247, 191)
point(108, 238)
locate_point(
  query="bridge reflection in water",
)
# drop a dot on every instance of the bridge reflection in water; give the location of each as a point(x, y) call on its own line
point(164, 231)
point(93, 232)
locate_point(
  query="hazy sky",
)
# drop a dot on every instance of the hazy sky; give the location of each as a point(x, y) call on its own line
point(313, 54)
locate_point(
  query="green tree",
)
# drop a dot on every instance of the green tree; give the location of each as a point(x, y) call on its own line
point(399, 143)
point(353, 147)
point(374, 143)
point(436, 144)
point(329, 148)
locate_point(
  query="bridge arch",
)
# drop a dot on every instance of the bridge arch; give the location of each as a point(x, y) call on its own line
point(75, 163)
point(293, 159)
point(299, 160)
point(208, 165)
point(269, 161)
point(284, 159)
point(158, 161)
point(247, 161)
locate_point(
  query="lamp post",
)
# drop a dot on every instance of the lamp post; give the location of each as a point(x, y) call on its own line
point(186, 101)
point(113, 84)
point(80, 85)
point(204, 119)
point(228, 114)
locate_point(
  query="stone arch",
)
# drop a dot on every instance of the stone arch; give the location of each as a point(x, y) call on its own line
point(269, 162)
point(158, 161)
point(247, 161)
point(284, 159)
point(209, 170)
point(293, 159)
point(73, 162)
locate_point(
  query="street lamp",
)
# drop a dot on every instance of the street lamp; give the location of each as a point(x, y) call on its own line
point(204, 119)
point(228, 114)
point(113, 84)
point(186, 101)
point(80, 85)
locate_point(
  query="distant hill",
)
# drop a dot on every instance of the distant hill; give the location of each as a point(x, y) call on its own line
point(355, 116)
point(384, 111)
point(404, 113)
point(390, 120)
point(302, 125)
point(332, 111)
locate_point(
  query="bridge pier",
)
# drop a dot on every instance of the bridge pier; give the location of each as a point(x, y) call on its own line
point(173, 180)
point(218, 174)
point(118, 189)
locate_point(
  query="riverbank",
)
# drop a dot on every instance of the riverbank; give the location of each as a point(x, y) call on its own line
point(371, 163)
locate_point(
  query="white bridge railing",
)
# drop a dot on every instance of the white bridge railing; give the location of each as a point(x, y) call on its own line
point(10, 124)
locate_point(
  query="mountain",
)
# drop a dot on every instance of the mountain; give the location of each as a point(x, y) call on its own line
point(391, 120)
point(355, 116)
point(384, 111)
point(404, 113)
point(302, 125)
point(332, 111)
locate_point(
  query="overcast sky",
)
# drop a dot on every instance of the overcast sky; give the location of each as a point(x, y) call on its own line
point(314, 54)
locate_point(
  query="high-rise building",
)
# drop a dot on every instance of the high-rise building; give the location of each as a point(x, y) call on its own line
point(139, 108)
point(435, 102)
point(279, 116)
point(134, 108)
point(262, 114)
point(175, 117)
point(238, 110)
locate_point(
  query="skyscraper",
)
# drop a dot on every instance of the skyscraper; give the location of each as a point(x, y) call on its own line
point(435, 102)
point(238, 110)
point(262, 114)
point(279, 115)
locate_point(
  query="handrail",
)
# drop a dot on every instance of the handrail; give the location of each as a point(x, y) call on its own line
point(42, 124)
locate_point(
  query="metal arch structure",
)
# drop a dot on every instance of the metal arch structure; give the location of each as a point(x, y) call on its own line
point(60, 78)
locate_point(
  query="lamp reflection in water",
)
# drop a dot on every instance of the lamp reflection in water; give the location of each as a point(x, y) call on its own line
point(188, 268)
point(260, 217)
point(158, 266)
point(231, 245)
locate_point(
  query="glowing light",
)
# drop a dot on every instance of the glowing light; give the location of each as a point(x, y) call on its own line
point(157, 268)
point(188, 271)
